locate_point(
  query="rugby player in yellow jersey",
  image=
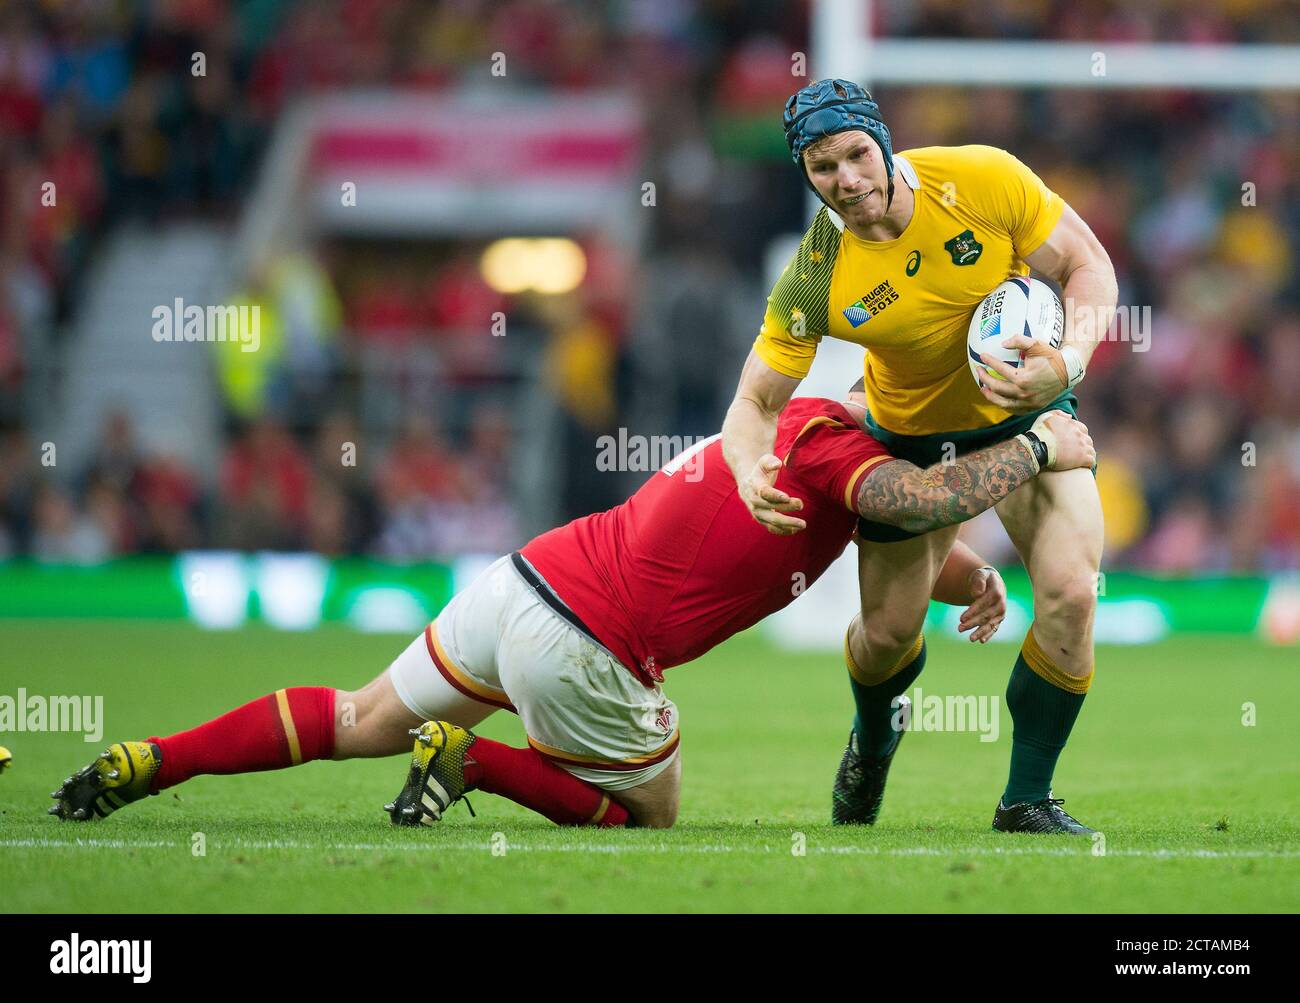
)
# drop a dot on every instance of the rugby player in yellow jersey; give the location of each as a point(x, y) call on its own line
point(901, 252)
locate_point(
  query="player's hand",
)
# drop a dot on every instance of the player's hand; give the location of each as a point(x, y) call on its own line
point(988, 605)
point(766, 502)
point(1073, 446)
point(1039, 380)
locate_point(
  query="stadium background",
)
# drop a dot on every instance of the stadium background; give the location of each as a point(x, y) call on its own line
point(377, 331)
point(150, 481)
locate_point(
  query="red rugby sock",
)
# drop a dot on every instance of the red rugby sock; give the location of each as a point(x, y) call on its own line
point(526, 778)
point(284, 728)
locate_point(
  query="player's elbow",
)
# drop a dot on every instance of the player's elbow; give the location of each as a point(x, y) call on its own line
point(756, 405)
point(1111, 282)
point(1104, 269)
point(762, 390)
point(1093, 260)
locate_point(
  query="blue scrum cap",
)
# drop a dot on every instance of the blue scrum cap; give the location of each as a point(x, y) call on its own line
point(826, 107)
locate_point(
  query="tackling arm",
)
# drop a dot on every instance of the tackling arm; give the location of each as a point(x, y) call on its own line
point(966, 580)
point(903, 495)
point(953, 586)
point(920, 500)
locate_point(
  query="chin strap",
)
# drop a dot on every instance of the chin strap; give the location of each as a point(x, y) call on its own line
point(890, 200)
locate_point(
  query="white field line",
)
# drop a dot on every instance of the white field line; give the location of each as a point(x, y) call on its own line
point(650, 848)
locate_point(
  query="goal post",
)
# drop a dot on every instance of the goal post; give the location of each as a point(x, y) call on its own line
point(843, 46)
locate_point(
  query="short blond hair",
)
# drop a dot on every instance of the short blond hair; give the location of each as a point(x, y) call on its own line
point(817, 145)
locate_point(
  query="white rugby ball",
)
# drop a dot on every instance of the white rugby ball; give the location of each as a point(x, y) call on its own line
point(1017, 306)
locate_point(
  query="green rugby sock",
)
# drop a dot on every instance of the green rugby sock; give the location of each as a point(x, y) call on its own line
point(1042, 714)
point(874, 720)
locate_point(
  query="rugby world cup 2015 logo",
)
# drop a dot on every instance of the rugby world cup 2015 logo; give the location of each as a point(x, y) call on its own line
point(991, 316)
point(857, 314)
point(964, 248)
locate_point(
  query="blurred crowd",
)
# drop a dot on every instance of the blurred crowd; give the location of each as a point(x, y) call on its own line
point(1196, 196)
point(273, 492)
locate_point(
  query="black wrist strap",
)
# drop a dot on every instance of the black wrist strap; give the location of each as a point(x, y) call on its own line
point(1039, 448)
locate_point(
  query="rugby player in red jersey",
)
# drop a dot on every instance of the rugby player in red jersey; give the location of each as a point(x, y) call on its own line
point(574, 632)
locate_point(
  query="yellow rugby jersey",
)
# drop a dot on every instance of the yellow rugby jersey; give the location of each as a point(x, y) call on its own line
point(979, 211)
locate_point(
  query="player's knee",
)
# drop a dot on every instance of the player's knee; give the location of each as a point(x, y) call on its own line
point(888, 636)
point(1068, 603)
point(656, 816)
point(653, 804)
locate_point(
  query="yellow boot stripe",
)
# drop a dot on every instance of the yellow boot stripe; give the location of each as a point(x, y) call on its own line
point(290, 732)
point(1037, 659)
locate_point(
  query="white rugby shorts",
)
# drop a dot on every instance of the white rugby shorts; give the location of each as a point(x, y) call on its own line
point(498, 646)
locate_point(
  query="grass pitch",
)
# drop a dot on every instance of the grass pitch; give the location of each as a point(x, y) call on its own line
point(1198, 808)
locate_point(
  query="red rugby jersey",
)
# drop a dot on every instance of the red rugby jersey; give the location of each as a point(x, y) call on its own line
point(681, 565)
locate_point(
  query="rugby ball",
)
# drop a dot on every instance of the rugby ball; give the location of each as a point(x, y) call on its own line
point(1017, 306)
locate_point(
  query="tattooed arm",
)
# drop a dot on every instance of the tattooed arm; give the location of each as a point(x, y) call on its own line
point(903, 495)
point(919, 500)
